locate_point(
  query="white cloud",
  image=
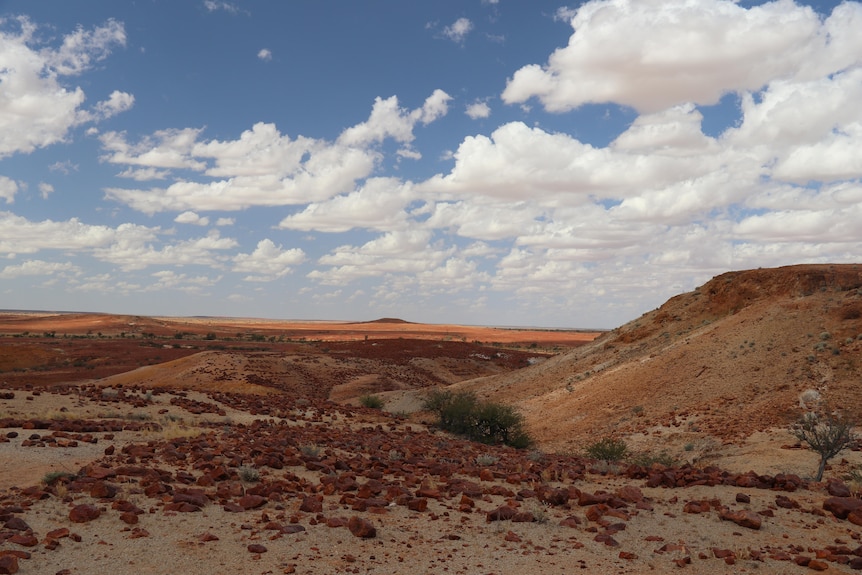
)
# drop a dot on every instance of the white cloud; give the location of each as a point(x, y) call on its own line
point(167, 279)
point(39, 268)
point(652, 55)
point(36, 109)
point(379, 205)
point(192, 218)
point(389, 120)
point(457, 32)
point(164, 149)
point(215, 5)
point(265, 55)
point(478, 109)
point(225, 222)
point(397, 252)
point(118, 102)
point(22, 236)
point(144, 174)
point(132, 252)
point(45, 190)
point(263, 167)
point(268, 261)
point(8, 189)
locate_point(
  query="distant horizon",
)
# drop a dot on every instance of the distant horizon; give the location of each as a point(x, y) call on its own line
point(481, 162)
point(300, 320)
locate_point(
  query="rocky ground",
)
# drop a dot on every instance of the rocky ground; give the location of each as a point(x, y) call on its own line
point(120, 480)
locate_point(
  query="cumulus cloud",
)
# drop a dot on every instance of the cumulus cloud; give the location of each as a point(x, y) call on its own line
point(268, 261)
point(265, 55)
point(131, 252)
point(478, 109)
point(458, 30)
point(378, 205)
point(36, 109)
point(654, 55)
point(8, 189)
point(21, 235)
point(192, 218)
point(264, 167)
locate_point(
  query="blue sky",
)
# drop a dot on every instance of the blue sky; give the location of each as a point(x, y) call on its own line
point(491, 162)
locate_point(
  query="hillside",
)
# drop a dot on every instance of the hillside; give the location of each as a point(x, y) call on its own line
point(726, 360)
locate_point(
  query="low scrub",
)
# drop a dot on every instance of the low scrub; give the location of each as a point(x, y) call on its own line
point(484, 421)
point(608, 449)
point(372, 401)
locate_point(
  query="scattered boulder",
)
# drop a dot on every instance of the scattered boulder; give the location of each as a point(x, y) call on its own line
point(361, 528)
point(84, 513)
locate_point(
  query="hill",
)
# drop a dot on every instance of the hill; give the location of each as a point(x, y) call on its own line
point(726, 360)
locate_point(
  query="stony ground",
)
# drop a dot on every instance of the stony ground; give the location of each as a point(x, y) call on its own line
point(119, 480)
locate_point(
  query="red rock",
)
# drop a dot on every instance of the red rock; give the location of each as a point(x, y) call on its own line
point(336, 521)
point(570, 521)
point(785, 502)
point(256, 548)
point(512, 537)
point(841, 507)
point(16, 524)
point(722, 553)
point(24, 540)
point(523, 517)
point(102, 490)
point(251, 501)
point(84, 513)
point(417, 504)
point(742, 498)
point(204, 537)
point(129, 518)
point(837, 488)
point(818, 565)
point(8, 564)
point(195, 498)
point(58, 533)
point(630, 493)
point(502, 513)
point(627, 556)
point(311, 504)
point(743, 518)
point(696, 507)
point(855, 517)
point(361, 527)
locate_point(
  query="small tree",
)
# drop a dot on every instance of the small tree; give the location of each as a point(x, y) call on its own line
point(827, 435)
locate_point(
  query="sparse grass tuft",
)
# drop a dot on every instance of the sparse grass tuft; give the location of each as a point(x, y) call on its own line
point(486, 459)
point(53, 477)
point(248, 474)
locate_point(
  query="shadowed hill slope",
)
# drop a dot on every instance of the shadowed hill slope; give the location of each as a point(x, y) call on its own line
point(728, 359)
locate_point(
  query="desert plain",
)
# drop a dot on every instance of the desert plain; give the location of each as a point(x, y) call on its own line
point(134, 444)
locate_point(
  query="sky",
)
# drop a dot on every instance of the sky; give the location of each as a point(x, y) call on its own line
point(488, 162)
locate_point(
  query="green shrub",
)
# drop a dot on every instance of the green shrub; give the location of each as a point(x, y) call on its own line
point(608, 449)
point(372, 401)
point(488, 422)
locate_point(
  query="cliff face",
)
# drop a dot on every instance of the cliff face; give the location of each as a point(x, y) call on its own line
point(728, 359)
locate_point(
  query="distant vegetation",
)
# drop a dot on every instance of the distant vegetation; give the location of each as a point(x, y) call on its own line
point(484, 421)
